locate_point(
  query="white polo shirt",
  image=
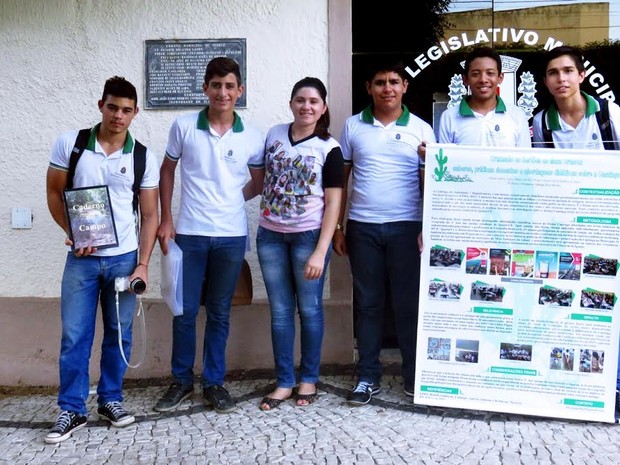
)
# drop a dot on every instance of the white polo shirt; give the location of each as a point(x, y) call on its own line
point(95, 168)
point(586, 135)
point(386, 181)
point(506, 126)
point(214, 170)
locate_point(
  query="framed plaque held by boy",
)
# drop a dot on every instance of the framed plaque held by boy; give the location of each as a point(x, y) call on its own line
point(91, 220)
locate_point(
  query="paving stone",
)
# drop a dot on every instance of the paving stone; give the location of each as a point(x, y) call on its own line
point(389, 430)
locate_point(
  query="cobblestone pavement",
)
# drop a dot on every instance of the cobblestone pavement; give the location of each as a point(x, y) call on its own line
point(389, 430)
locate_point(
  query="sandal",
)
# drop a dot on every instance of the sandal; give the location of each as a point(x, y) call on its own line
point(271, 403)
point(309, 398)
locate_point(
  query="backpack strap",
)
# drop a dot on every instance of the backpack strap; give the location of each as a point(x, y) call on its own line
point(547, 136)
point(139, 166)
point(604, 124)
point(81, 141)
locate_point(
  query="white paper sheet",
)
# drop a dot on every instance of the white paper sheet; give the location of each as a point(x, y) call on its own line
point(172, 278)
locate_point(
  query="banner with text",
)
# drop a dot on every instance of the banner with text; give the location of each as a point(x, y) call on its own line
point(519, 282)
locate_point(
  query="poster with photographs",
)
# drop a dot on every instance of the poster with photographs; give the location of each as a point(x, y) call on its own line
point(91, 220)
point(519, 281)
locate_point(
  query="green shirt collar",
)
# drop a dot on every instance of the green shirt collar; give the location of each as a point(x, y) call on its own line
point(465, 109)
point(127, 148)
point(553, 115)
point(368, 117)
point(203, 121)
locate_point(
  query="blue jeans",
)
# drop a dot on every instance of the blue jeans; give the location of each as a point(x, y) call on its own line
point(282, 258)
point(87, 280)
point(384, 256)
point(218, 260)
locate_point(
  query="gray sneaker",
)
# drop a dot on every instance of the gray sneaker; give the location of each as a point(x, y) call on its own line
point(173, 397)
point(219, 399)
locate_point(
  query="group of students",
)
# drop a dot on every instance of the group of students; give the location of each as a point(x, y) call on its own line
point(301, 173)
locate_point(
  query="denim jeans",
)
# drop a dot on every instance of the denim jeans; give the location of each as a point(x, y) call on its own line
point(282, 258)
point(384, 256)
point(87, 280)
point(219, 260)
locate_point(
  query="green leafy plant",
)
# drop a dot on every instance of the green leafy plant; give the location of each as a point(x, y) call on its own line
point(441, 169)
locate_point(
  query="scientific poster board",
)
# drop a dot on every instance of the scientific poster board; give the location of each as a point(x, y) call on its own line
point(519, 281)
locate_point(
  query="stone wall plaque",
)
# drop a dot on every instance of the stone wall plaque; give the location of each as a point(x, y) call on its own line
point(175, 70)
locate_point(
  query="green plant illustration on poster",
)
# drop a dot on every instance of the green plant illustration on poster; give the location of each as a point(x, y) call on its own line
point(441, 170)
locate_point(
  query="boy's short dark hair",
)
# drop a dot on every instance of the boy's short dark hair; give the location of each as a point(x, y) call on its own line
point(220, 67)
point(118, 86)
point(483, 52)
point(385, 66)
point(572, 52)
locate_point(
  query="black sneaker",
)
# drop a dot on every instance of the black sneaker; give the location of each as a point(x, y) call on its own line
point(617, 413)
point(115, 413)
point(66, 424)
point(410, 389)
point(173, 397)
point(363, 392)
point(219, 399)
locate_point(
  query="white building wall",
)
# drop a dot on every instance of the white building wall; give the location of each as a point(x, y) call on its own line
point(56, 56)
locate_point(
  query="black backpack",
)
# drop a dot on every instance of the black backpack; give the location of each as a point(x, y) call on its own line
point(604, 125)
point(139, 164)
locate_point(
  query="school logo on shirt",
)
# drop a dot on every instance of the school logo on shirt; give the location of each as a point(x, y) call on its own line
point(397, 136)
point(121, 177)
point(497, 128)
point(594, 136)
point(229, 158)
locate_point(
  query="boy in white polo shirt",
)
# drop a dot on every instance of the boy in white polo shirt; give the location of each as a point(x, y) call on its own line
point(571, 119)
point(90, 273)
point(215, 149)
point(483, 118)
point(383, 146)
point(570, 122)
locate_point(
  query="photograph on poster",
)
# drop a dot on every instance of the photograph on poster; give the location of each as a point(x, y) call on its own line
point(570, 266)
point(441, 290)
point(438, 348)
point(518, 352)
point(446, 258)
point(593, 265)
point(591, 298)
point(500, 262)
point(562, 359)
point(467, 350)
point(522, 263)
point(487, 292)
point(477, 260)
point(546, 265)
point(591, 361)
point(554, 297)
